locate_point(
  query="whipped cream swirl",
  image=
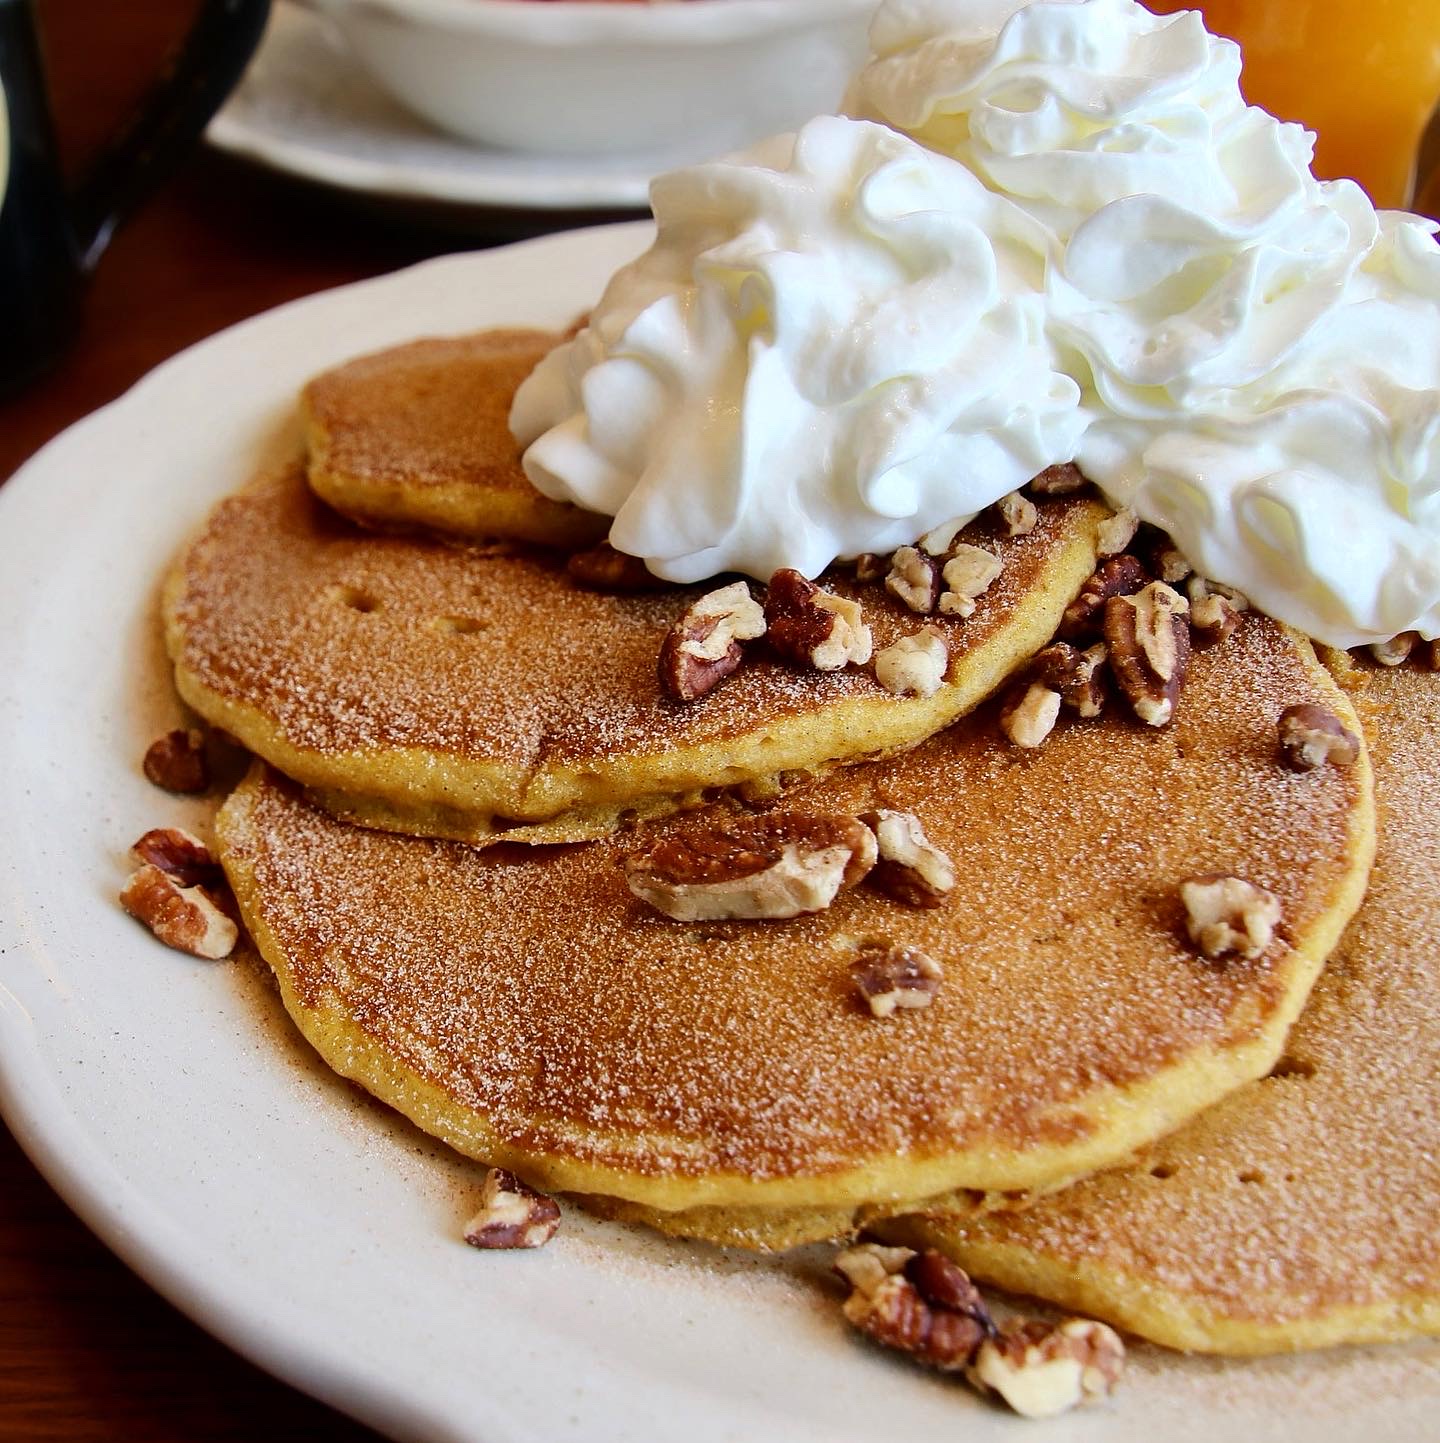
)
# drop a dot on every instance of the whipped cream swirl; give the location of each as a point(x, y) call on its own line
point(1073, 240)
point(835, 344)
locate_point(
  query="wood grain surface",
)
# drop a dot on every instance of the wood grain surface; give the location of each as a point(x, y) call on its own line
point(88, 1353)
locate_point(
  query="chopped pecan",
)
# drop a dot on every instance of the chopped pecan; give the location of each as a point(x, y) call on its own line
point(1396, 650)
point(1063, 480)
point(603, 568)
point(1226, 914)
point(703, 647)
point(185, 918)
point(176, 761)
point(1119, 576)
point(1198, 587)
point(181, 855)
point(867, 1265)
point(922, 1305)
point(889, 975)
point(512, 1214)
point(1166, 561)
point(914, 578)
point(1030, 714)
point(1116, 532)
point(870, 566)
point(1213, 619)
point(1310, 735)
point(1077, 675)
point(914, 665)
point(814, 627)
point(969, 573)
point(1018, 513)
point(1149, 641)
point(910, 868)
point(1042, 1369)
point(776, 865)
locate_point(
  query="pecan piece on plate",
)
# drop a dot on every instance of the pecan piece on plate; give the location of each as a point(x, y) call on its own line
point(914, 578)
point(1029, 715)
point(1309, 735)
point(1077, 675)
point(918, 1303)
point(970, 572)
point(1225, 914)
point(180, 855)
point(813, 627)
point(1018, 513)
point(889, 975)
point(1116, 532)
point(1148, 636)
point(703, 647)
point(914, 665)
point(185, 918)
point(1062, 480)
point(1042, 1369)
point(1119, 576)
point(910, 868)
point(511, 1214)
point(765, 867)
point(177, 762)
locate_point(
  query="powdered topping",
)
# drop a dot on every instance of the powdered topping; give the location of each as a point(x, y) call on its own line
point(736, 1048)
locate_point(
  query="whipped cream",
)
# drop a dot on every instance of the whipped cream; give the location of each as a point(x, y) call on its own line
point(1044, 232)
point(835, 344)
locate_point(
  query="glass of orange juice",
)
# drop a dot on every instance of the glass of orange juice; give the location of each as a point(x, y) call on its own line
point(1364, 75)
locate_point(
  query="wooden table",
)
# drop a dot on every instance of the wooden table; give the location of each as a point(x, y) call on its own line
point(87, 1351)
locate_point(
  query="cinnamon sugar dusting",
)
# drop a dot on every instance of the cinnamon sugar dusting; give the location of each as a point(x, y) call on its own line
point(351, 641)
point(536, 991)
point(1317, 1188)
point(433, 412)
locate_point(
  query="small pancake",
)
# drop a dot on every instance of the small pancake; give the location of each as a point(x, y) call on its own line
point(419, 435)
point(427, 688)
point(1303, 1211)
point(522, 1005)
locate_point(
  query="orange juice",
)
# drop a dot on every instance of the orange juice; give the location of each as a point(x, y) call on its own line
point(1364, 75)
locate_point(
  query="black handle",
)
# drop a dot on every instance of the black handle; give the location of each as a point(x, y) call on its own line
point(184, 97)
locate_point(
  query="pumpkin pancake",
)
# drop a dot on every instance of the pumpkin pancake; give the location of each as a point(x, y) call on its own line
point(423, 687)
point(522, 1005)
point(419, 435)
point(1303, 1211)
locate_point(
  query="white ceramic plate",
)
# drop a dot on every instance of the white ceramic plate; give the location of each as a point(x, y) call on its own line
point(172, 1105)
point(306, 108)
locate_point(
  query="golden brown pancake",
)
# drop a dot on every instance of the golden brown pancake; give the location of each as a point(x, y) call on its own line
point(1303, 1211)
point(419, 435)
point(443, 691)
point(522, 1005)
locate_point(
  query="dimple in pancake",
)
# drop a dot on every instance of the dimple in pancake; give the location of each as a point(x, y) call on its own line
point(1304, 1211)
point(442, 691)
point(419, 435)
point(520, 1004)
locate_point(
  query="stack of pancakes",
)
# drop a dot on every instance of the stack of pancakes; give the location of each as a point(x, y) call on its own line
point(459, 747)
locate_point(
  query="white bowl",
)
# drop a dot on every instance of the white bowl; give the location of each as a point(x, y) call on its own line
point(688, 77)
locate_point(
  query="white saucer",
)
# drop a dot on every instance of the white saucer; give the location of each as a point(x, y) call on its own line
point(306, 108)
